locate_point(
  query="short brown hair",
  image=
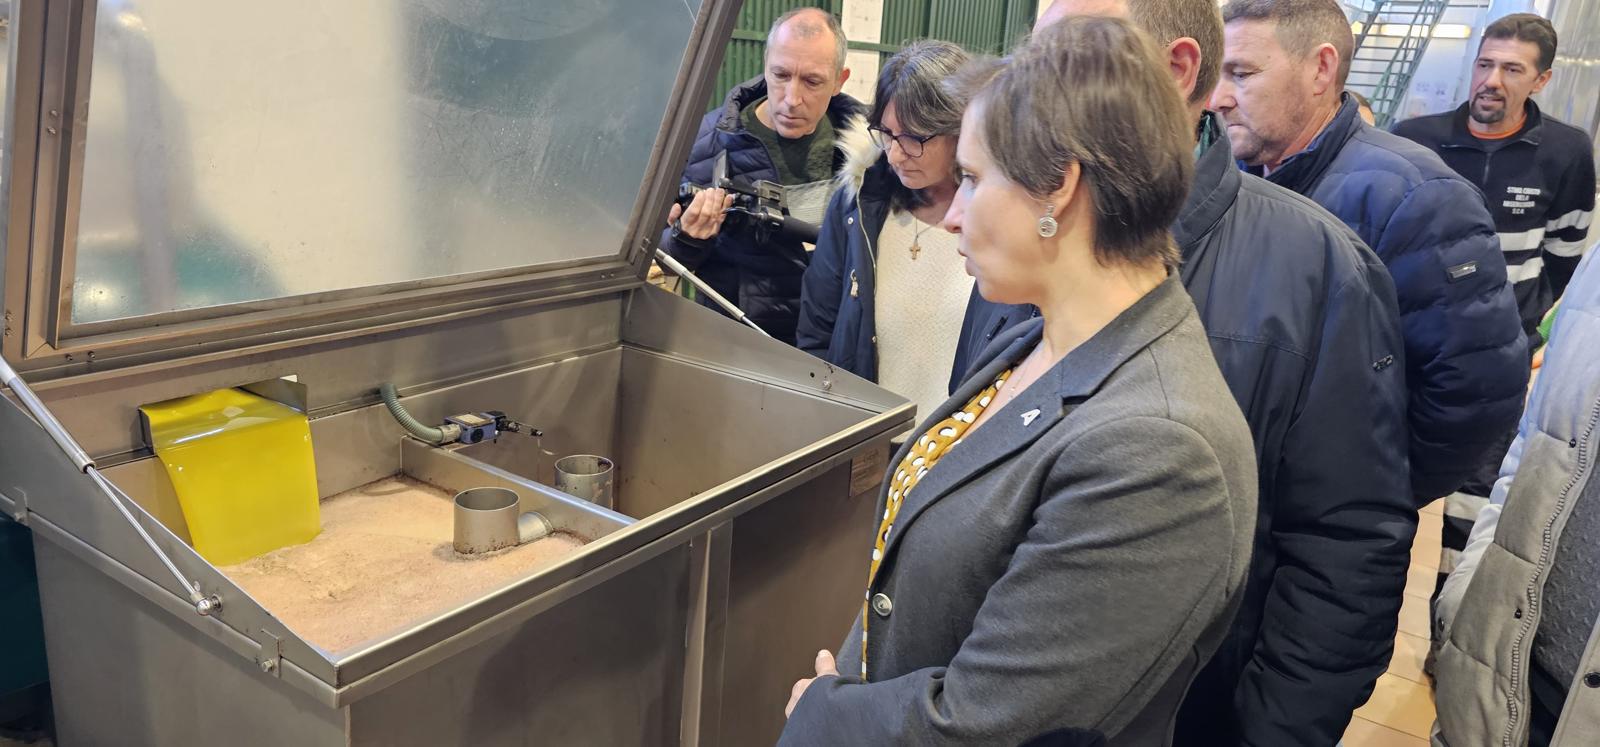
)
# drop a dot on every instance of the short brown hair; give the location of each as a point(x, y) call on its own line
point(1093, 92)
point(811, 22)
point(1526, 27)
point(1200, 20)
point(1303, 25)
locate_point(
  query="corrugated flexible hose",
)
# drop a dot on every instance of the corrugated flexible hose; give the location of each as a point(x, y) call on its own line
point(391, 400)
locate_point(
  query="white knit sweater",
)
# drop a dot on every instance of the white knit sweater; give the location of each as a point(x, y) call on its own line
point(919, 306)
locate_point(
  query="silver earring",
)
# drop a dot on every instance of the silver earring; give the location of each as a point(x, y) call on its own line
point(1047, 224)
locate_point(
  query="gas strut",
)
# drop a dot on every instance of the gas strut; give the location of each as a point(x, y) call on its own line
point(683, 272)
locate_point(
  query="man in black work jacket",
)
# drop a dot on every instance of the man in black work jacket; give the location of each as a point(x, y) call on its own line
point(1538, 175)
point(1302, 319)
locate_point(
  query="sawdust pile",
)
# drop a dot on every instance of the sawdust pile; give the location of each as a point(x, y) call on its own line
point(382, 563)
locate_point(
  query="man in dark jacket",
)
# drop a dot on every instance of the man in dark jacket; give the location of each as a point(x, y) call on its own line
point(1538, 173)
point(777, 128)
point(1302, 320)
point(1281, 96)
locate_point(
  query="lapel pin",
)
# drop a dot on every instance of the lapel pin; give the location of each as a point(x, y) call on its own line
point(1028, 417)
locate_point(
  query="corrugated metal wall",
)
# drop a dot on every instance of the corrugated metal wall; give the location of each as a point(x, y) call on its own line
point(990, 26)
point(986, 26)
point(905, 20)
point(979, 25)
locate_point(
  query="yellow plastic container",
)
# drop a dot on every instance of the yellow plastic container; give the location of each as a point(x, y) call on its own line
point(243, 469)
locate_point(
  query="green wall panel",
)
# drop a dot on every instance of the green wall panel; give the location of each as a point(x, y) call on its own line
point(988, 26)
point(904, 21)
point(978, 25)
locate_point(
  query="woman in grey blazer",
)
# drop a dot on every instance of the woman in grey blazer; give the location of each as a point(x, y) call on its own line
point(1063, 546)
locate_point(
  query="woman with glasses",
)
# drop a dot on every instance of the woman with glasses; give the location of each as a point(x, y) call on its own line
point(885, 292)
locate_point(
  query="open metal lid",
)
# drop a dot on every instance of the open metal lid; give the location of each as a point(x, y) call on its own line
point(187, 177)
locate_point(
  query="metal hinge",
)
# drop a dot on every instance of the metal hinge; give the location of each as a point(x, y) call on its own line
point(19, 501)
point(269, 653)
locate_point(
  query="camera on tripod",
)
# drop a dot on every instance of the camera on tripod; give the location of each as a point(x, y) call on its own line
point(760, 205)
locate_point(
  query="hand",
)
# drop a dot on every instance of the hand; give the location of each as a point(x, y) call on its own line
point(1533, 375)
point(825, 668)
point(704, 217)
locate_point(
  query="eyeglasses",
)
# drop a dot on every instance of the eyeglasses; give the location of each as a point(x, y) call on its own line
point(911, 145)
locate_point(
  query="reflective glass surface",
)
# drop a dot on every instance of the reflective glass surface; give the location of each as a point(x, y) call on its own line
point(245, 151)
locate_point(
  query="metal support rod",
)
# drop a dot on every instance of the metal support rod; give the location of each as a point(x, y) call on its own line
point(47, 421)
point(203, 604)
point(121, 500)
point(683, 272)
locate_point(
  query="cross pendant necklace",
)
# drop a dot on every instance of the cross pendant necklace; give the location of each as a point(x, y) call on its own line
point(916, 241)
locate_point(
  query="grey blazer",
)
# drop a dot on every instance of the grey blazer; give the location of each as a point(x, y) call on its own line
point(1059, 577)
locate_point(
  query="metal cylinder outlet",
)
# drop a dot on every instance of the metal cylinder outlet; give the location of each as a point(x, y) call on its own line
point(588, 477)
point(489, 519)
point(486, 520)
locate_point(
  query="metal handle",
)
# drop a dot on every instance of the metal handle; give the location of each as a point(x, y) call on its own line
point(204, 605)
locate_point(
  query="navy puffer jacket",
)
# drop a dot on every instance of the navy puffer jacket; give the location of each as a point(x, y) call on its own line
point(763, 278)
point(838, 319)
point(1466, 356)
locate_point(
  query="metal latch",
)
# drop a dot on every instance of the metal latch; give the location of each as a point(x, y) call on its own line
point(20, 503)
point(269, 653)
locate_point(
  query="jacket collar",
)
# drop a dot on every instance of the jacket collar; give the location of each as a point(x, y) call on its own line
point(843, 110)
point(1211, 196)
point(1461, 136)
point(878, 182)
point(1052, 398)
point(1303, 170)
point(865, 165)
point(738, 98)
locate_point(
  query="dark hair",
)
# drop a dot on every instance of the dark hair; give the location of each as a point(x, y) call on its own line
point(1526, 27)
point(1303, 25)
point(1094, 92)
point(913, 80)
point(1200, 20)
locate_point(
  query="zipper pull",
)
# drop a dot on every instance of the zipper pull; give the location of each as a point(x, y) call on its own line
point(855, 287)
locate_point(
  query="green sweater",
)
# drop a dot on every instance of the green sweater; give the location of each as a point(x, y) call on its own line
point(800, 160)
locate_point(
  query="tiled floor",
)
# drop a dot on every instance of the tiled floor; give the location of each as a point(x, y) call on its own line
point(1400, 712)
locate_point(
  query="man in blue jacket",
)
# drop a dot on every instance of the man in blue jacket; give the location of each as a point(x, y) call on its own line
point(1302, 320)
point(779, 128)
point(1281, 95)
